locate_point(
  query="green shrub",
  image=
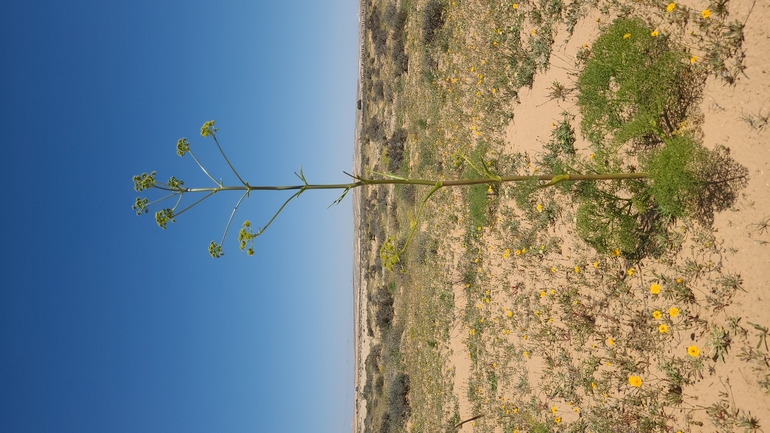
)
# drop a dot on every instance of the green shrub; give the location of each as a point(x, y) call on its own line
point(633, 85)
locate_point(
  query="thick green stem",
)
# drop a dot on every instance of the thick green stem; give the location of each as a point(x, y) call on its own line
point(427, 182)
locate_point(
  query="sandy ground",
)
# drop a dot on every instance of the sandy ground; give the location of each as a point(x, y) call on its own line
point(722, 108)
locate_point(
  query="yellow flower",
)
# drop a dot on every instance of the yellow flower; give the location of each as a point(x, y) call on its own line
point(539, 207)
point(654, 33)
point(592, 156)
point(693, 351)
point(693, 59)
point(679, 281)
point(509, 313)
point(534, 32)
point(654, 288)
point(577, 269)
point(630, 272)
point(656, 314)
point(596, 265)
point(662, 328)
point(593, 385)
point(576, 410)
point(553, 269)
point(515, 5)
point(627, 35)
point(705, 13)
point(670, 7)
point(472, 332)
point(526, 354)
point(557, 419)
point(553, 409)
point(635, 381)
point(542, 294)
point(610, 341)
point(615, 252)
point(518, 252)
point(673, 312)
point(553, 292)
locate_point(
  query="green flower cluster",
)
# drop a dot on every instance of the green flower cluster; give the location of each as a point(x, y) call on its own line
point(182, 146)
point(215, 250)
point(245, 236)
point(162, 217)
point(208, 128)
point(140, 206)
point(145, 181)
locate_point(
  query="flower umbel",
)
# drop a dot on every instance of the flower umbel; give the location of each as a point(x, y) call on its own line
point(208, 128)
point(182, 146)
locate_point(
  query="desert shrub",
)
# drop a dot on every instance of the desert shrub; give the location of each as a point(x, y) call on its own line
point(633, 85)
point(378, 90)
point(398, 52)
point(396, 149)
point(398, 397)
point(383, 317)
point(373, 129)
point(389, 16)
point(432, 20)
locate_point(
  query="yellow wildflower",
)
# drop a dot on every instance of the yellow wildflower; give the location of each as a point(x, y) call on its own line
point(635, 381)
point(553, 292)
point(656, 314)
point(610, 341)
point(542, 294)
point(615, 252)
point(596, 265)
point(654, 288)
point(705, 13)
point(553, 269)
point(673, 312)
point(557, 419)
point(627, 35)
point(509, 313)
point(593, 385)
point(670, 7)
point(693, 351)
point(553, 409)
point(662, 328)
point(526, 354)
point(472, 332)
point(630, 272)
point(577, 269)
point(539, 207)
point(679, 281)
point(693, 59)
point(654, 33)
point(515, 5)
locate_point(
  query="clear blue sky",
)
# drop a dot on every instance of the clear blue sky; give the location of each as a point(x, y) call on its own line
point(109, 324)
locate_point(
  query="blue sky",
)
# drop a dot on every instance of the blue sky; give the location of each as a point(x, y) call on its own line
point(107, 322)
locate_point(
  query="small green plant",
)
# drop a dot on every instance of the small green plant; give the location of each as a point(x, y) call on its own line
point(756, 121)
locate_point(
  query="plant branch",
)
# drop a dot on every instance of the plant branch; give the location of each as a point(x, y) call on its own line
point(231, 216)
point(228, 161)
point(201, 166)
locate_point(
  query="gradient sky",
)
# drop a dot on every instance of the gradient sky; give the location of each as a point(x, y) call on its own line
point(107, 322)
